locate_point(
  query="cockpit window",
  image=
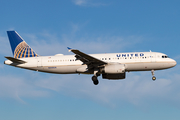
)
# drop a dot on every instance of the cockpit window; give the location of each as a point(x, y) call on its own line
point(165, 56)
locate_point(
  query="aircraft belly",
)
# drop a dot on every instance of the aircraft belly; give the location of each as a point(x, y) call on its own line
point(146, 66)
point(59, 69)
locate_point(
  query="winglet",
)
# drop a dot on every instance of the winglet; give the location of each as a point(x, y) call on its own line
point(69, 49)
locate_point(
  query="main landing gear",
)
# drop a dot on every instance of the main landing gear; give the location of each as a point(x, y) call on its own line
point(153, 78)
point(94, 78)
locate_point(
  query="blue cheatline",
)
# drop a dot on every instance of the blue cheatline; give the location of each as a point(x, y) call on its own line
point(20, 48)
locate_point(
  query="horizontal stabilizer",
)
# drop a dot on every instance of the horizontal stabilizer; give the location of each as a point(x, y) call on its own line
point(14, 60)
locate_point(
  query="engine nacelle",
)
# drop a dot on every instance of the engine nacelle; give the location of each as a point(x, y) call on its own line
point(114, 68)
point(114, 76)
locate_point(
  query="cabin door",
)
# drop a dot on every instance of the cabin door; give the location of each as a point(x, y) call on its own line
point(39, 62)
point(153, 57)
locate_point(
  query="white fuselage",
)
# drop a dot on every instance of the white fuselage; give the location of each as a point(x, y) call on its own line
point(67, 64)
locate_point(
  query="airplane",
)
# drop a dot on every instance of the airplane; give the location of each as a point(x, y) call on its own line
point(112, 66)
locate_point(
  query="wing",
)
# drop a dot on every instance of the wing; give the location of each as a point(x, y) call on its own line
point(87, 59)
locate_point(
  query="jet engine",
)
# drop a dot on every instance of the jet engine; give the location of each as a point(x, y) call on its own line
point(113, 71)
point(113, 68)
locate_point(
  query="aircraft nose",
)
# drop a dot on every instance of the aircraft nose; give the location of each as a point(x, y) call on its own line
point(173, 63)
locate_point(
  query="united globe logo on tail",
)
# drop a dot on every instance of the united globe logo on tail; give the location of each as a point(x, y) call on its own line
point(23, 50)
point(20, 48)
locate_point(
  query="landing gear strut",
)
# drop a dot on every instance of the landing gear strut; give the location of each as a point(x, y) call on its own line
point(153, 78)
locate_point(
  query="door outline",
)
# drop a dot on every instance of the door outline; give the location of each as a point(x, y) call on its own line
point(39, 62)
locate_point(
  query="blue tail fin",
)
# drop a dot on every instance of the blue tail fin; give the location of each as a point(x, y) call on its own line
point(20, 48)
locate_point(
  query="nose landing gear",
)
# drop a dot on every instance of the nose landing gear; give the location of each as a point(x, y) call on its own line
point(153, 78)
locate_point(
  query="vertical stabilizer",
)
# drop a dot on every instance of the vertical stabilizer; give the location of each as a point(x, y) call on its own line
point(20, 48)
